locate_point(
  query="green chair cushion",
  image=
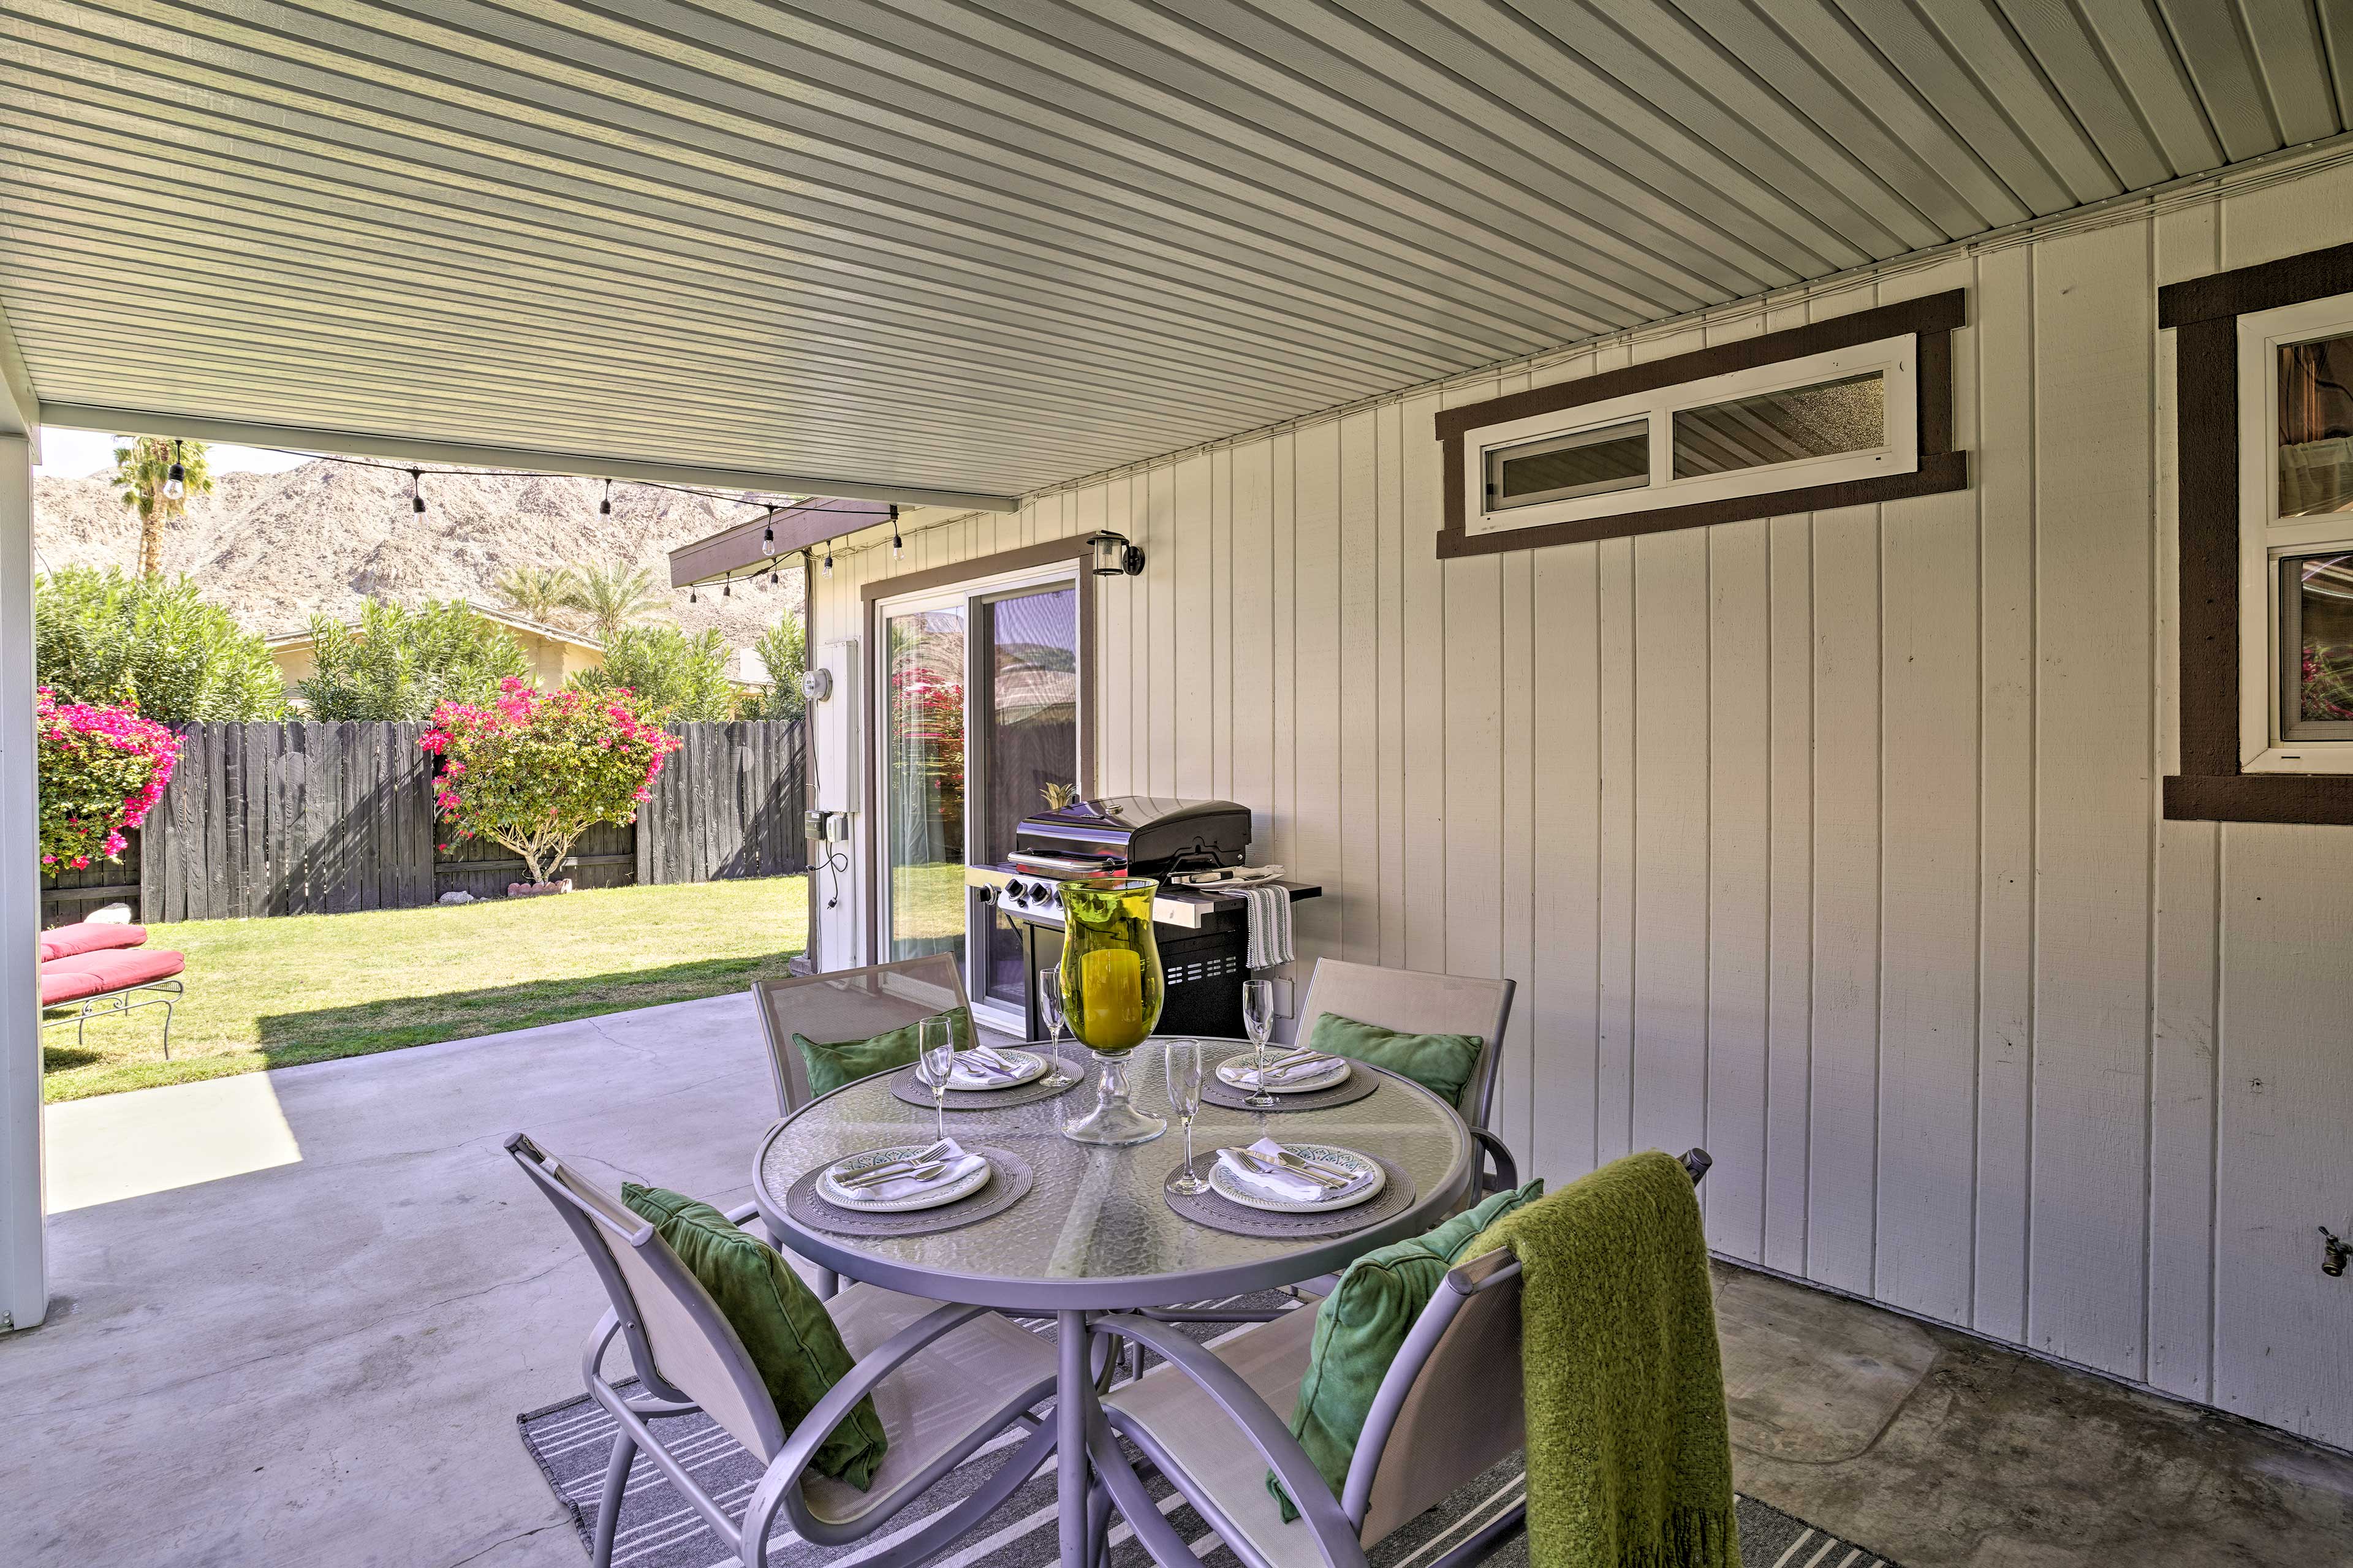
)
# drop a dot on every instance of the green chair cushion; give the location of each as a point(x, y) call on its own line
point(785, 1328)
point(1441, 1064)
point(1362, 1325)
point(847, 1061)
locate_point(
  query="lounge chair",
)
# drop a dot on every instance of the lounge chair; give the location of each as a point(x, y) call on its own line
point(95, 969)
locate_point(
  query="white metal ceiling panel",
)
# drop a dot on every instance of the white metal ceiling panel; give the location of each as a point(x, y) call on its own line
point(987, 247)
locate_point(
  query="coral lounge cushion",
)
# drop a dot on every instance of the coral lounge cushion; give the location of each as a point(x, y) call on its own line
point(94, 974)
point(88, 936)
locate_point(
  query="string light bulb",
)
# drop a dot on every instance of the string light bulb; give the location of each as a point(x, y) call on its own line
point(772, 576)
point(898, 546)
point(416, 492)
point(727, 589)
point(828, 557)
point(768, 540)
point(175, 478)
point(689, 596)
point(606, 506)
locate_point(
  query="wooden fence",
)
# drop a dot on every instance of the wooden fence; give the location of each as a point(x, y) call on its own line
point(320, 819)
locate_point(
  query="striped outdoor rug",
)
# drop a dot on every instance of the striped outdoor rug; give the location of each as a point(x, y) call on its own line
point(571, 1442)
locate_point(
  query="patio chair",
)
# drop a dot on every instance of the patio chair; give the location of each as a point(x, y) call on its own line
point(847, 1004)
point(945, 1381)
point(844, 1005)
point(94, 968)
point(1416, 1001)
point(1448, 1409)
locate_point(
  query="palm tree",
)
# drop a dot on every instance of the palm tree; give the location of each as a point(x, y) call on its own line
point(611, 597)
point(539, 591)
point(143, 477)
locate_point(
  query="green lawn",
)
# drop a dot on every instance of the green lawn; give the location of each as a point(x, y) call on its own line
point(272, 992)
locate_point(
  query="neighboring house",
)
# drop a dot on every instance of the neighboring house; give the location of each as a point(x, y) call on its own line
point(554, 654)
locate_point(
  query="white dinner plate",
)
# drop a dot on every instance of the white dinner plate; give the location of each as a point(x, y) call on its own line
point(1224, 1184)
point(829, 1187)
point(1233, 1073)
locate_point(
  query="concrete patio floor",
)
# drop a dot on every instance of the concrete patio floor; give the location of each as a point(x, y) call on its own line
point(300, 1311)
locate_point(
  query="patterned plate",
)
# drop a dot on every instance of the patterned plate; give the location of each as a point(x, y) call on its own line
point(829, 1187)
point(1233, 1072)
point(1323, 1155)
point(1030, 1067)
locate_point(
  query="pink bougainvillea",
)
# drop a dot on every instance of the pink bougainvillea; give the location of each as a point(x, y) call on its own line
point(102, 770)
point(533, 773)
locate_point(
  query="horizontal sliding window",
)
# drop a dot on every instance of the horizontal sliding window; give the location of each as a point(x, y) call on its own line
point(1849, 415)
point(1614, 458)
point(2317, 647)
point(1825, 419)
point(2316, 428)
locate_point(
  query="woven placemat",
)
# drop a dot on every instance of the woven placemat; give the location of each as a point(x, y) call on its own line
point(905, 1086)
point(1361, 1081)
point(1223, 1214)
point(1008, 1179)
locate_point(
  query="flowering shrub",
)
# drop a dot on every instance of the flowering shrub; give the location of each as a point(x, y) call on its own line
point(103, 769)
point(534, 773)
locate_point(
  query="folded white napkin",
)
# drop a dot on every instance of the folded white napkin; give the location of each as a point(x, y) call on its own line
point(958, 1166)
point(1246, 1074)
point(972, 1071)
point(1289, 1186)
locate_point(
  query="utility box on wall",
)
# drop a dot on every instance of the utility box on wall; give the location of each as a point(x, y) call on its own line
point(837, 727)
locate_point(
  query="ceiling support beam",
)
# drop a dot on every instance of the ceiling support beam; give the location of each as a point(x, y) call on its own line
point(20, 408)
point(457, 454)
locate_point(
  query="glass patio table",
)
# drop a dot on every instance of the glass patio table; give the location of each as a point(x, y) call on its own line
point(1095, 1233)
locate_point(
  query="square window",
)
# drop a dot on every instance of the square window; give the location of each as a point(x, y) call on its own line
point(2317, 647)
point(1581, 463)
point(1849, 415)
point(2316, 428)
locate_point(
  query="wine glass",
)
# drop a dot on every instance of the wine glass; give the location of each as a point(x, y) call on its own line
point(1258, 1018)
point(1185, 1099)
point(938, 1067)
point(1049, 1007)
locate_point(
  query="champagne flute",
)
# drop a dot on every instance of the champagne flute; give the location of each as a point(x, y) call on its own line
point(938, 1066)
point(1258, 1018)
point(1185, 1099)
point(1049, 1005)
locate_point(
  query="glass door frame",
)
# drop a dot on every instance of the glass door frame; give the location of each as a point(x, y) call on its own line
point(964, 588)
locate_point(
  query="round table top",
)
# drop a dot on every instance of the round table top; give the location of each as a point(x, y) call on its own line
point(1094, 1231)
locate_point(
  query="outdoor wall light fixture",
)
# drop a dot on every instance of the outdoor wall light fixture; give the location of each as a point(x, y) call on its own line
point(1114, 556)
point(175, 478)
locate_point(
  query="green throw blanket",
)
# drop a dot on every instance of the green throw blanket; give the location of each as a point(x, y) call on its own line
point(1629, 1458)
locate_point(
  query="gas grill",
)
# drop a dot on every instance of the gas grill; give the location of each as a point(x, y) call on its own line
point(1202, 938)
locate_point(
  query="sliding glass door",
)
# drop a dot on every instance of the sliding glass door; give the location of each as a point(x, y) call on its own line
point(922, 826)
point(979, 705)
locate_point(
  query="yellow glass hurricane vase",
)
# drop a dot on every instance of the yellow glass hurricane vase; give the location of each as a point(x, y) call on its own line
point(1113, 988)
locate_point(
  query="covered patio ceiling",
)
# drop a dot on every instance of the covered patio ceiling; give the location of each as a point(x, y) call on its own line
point(954, 252)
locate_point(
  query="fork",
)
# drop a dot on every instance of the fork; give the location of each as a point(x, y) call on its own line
point(922, 1173)
point(1270, 1167)
point(895, 1168)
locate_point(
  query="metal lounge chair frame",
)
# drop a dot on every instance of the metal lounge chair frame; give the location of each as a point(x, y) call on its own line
point(1443, 1434)
point(742, 1402)
point(88, 1007)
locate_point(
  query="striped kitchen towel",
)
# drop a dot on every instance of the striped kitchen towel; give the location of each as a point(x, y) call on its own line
point(1269, 922)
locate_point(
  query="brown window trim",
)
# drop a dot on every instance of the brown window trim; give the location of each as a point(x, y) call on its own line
point(1932, 317)
point(1027, 558)
point(2203, 314)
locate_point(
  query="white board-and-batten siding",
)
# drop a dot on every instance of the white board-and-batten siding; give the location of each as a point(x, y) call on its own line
point(1831, 842)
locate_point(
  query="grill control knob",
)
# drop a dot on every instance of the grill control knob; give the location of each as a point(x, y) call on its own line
point(1018, 891)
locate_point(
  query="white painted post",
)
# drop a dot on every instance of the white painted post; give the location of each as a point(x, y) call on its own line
point(23, 1259)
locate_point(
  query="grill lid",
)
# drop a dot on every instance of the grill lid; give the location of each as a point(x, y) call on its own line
point(1148, 834)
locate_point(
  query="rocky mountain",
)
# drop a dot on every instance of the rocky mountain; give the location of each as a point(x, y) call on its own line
point(274, 548)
